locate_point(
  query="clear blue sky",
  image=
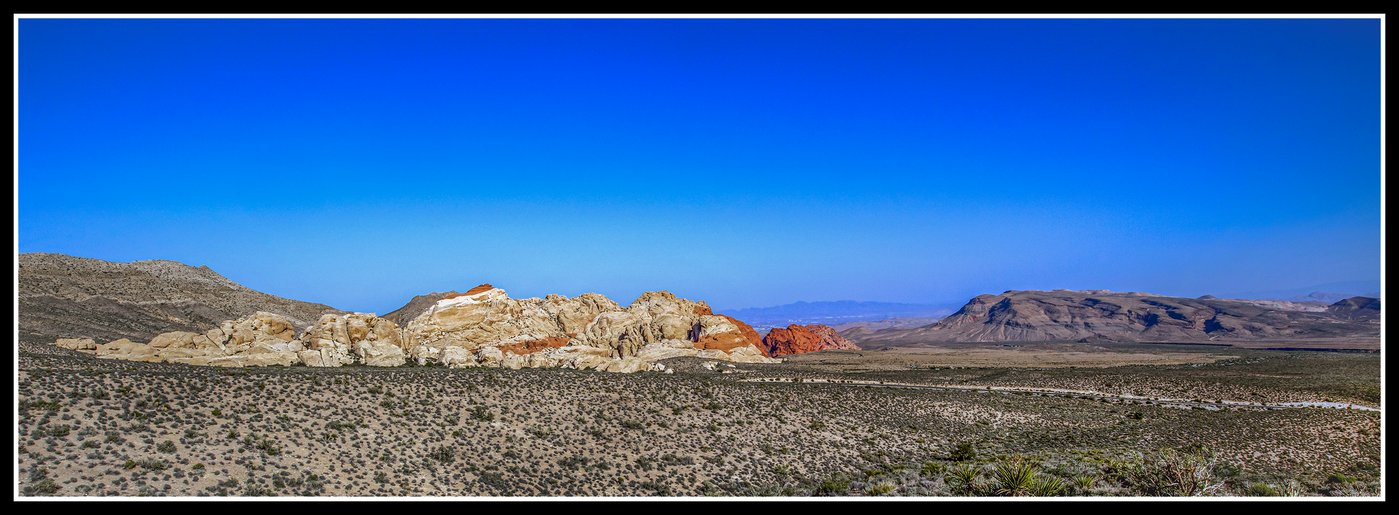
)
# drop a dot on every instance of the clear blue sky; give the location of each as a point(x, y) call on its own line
point(746, 163)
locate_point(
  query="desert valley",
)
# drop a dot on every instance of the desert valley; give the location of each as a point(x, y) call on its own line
point(154, 378)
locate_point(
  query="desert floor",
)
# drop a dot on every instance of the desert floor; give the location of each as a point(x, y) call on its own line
point(93, 427)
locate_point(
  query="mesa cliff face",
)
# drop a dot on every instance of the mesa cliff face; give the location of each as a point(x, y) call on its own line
point(797, 339)
point(1100, 315)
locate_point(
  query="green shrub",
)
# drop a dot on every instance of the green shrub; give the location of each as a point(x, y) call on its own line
point(1262, 490)
point(880, 488)
point(45, 487)
point(443, 454)
point(964, 452)
point(166, 447)
point(1167, 473)
point(482, 414)
point(833, 485)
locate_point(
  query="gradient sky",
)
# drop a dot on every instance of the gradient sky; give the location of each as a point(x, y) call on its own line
point(748, 162)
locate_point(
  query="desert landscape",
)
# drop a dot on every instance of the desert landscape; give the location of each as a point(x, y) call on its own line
point(675, 257)
point(94, 427)
point(823, 417)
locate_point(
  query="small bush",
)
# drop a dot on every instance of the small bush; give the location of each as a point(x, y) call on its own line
point(833, 485)
point(166, 447)
point(482, 414)
point(1167, 473)
point(964, 452)
point(443, 454)
point(880, 488)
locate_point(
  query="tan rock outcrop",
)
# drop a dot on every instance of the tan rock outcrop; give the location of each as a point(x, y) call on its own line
point(78, 344)
point(351, 338)
point(482, 327)
point(556, 330)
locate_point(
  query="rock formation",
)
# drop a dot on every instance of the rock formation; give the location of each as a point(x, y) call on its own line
point(363, 338)
point(797, 339)
point(1099, 315)
point(588, 331)
point(482, 327)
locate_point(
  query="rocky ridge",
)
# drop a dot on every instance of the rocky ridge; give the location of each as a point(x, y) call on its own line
point(1101, 315)
point(482, 327)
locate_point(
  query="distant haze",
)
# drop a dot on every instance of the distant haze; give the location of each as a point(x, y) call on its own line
point(837, 313)
point(1346, 288)
point(358, 163)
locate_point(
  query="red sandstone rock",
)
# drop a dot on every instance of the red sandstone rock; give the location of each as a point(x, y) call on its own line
point(796, 339)
point(723, 341)
point(473, 291)
point(752, 335)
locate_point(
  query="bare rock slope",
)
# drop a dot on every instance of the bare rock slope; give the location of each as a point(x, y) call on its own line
point(91, 298)
point(1100, 315)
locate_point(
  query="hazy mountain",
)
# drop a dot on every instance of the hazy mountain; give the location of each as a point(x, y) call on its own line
point(1348, 288)
point(833, 313)
point(1328, 298)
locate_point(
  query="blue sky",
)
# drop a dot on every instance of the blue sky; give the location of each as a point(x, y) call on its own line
point(746, 163)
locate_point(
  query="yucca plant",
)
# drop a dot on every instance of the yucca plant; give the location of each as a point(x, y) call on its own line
point(1016, 478)
point(1049, 486)
point(964, 479)
point(1084, 482)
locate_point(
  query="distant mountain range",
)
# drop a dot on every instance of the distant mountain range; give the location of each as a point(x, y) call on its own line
point(1328, 293)
point(833, 313)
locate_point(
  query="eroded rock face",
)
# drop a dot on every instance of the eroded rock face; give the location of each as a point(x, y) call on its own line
point(754, 338)
point(588, 331)
point(797, 339)
point(353, 338)
point(482, 327)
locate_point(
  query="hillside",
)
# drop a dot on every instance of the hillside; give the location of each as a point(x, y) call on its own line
point(82, 297)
